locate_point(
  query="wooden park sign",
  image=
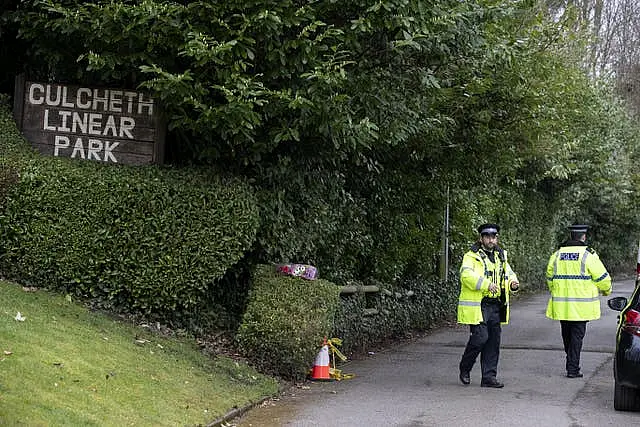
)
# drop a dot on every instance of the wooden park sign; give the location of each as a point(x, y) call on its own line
point(107, 125)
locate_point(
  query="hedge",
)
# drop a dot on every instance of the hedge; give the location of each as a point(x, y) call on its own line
point(151, 240)
point(286, 320)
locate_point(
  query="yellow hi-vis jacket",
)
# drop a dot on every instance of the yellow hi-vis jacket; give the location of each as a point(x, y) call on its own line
point(476, 274)
point(575, 276)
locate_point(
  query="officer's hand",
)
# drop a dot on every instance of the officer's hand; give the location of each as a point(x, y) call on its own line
point(514, 286)
point(493, 288)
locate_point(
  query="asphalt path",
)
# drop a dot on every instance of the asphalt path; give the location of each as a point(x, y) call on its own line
point(416, 384)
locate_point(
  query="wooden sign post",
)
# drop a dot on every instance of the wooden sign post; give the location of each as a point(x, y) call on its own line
point(107, 125)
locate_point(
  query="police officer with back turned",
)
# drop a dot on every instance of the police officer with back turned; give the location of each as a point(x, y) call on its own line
point(575, 277)
point(486, 279)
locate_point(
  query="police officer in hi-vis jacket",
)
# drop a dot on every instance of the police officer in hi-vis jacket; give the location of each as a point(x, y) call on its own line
point(486, 279)
point(575, 277)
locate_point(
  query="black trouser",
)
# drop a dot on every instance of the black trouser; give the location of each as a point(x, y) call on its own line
point(484, 340)
point(572, 335)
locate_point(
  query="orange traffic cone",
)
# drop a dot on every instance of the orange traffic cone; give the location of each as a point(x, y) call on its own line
point(320, 370)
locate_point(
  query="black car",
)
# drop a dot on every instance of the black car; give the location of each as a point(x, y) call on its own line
point(626, 364)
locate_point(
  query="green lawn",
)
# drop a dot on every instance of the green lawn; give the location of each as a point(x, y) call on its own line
point(66, 366)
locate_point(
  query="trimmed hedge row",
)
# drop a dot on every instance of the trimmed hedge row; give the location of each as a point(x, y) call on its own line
point(148, 240)
point(420, 305)
point(286, 320)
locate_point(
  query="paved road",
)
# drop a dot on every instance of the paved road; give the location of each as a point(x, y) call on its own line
point(417, 384)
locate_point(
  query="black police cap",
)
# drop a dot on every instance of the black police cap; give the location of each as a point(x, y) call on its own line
point(578, 228)
point(489, 229)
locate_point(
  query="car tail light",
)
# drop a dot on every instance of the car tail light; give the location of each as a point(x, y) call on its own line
point(631, 322)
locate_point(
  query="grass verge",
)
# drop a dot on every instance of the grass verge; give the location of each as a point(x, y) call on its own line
point(63, 365)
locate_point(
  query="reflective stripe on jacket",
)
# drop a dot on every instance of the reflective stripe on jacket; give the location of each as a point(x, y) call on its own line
point(476, 274)
point(575, 277)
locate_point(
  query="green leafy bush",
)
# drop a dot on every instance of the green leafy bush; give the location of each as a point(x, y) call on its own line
point(151, 240)
point(285, 321)
point(307, 216)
